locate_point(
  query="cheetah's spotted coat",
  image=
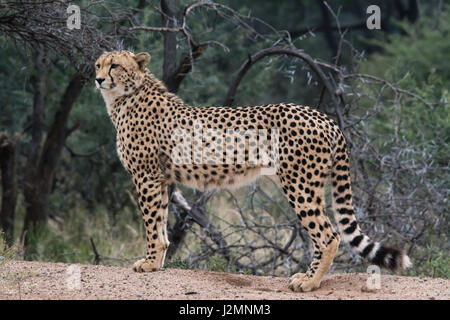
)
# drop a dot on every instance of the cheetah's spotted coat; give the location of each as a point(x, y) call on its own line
point(311, 147)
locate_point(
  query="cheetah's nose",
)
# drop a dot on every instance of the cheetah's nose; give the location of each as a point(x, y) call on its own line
point(100, 80)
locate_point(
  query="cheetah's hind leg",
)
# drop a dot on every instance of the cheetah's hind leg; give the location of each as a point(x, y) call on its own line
point(307, 199)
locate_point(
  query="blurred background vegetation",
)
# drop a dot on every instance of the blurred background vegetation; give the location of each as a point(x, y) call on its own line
point(66, 197)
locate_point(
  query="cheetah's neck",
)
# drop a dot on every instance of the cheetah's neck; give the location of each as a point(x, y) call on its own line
point(154, 84)
point(149, 83)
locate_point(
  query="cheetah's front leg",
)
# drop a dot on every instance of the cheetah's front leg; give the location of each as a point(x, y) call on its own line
point(153, 200)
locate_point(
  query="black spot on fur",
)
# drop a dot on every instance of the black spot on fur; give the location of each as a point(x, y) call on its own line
point(356, 241)
point(352, 228)
point(367, 249)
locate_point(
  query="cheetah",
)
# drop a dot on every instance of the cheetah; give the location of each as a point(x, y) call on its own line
point(150, 121)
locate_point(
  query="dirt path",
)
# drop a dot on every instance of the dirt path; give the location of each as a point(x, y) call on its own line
point(38, 280)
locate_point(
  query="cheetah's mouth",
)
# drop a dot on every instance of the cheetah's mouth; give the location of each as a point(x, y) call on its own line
point(112, 86)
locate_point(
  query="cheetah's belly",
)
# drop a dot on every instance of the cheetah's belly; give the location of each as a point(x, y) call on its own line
point(207, 177)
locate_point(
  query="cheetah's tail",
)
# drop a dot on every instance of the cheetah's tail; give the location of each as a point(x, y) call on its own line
point(376, 253)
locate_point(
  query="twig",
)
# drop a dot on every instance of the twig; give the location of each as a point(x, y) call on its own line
point(97, 258)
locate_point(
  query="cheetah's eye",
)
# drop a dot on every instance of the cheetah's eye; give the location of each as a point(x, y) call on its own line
point(113, 66)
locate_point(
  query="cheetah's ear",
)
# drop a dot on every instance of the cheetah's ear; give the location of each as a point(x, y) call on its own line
point(142, 59)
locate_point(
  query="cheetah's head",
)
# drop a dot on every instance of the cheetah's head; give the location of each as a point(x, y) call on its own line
point(120, 72)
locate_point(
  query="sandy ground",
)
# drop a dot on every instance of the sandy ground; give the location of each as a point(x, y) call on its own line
point(39, 280)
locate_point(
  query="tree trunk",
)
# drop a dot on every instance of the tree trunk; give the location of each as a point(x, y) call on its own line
point(31, 186)
point(9, 186)
point(40, 182)
point(177, 231)
point(168, 8)
point(413, 11)
point(327, 28)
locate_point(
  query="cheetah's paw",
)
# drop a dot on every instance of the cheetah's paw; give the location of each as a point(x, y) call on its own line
point(145, 265)
point(300, 282)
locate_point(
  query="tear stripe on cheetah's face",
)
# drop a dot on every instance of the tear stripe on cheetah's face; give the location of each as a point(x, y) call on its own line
point(312, 148)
